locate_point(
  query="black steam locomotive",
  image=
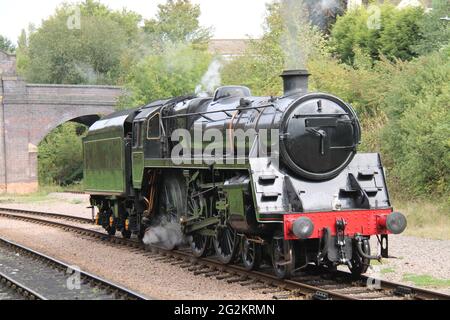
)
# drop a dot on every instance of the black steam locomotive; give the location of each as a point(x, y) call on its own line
point(248, 179)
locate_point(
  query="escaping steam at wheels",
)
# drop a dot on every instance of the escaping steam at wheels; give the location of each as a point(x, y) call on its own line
point(244, 178)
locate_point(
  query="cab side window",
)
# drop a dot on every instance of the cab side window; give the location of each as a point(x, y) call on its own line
point(153, 129)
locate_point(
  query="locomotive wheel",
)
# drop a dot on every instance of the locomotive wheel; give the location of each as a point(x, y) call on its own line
point(250, 254)
point(360, 264)
point(198, 207)
point(199, 245)
point(283, 257)
point(225, 244)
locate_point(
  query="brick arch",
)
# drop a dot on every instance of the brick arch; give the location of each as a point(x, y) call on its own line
point(28, 112)
point(82, 116)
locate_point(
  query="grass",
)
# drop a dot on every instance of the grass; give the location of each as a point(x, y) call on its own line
point(426, 280)
point(426, 218)
point(387, 270)
point(39, 196)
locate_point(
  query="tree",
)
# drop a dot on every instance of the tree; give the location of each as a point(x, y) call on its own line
point(278, 49)
point(178, 21)
point(6, 45)
point(378, 31)
point(22, 53)
point(92, 53)
point(175, 55)
point(176, 71)
point(435, 31)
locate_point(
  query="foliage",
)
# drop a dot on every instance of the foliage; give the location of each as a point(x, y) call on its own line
point(22, 53)
point(379, 31)
point(177, 71)
point(178, 21)
point(60, 158)
point(416, 139)
point(175, 55)
point(6, 45)
point(435, 31)
point(55, 53)
point(266, 58)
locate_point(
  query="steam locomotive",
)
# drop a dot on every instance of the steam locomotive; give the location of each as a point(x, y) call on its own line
point(294, 192)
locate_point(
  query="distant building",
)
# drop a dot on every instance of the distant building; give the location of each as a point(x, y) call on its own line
point(228, 48)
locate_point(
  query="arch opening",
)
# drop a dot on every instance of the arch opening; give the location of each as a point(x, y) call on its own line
point(60, 154)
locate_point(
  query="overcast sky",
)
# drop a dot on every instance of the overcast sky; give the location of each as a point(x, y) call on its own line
point(229, 18)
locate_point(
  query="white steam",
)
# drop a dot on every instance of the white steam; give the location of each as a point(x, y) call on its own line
point(295, 21)
point(167, 234)
point(210, 80)
point(87, 72)
point(300, 40)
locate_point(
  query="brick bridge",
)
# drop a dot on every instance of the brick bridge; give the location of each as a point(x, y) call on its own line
point(28, 112)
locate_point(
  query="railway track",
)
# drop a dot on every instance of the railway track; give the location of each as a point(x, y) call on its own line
point(33, 275)
point(313, 283)
point(56, 216)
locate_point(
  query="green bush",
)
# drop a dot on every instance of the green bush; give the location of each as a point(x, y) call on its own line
point(60, 157)
point(378, 31)
point(435, 32)
point(416, 140)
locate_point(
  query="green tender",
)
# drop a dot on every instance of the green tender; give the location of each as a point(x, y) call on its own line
point(104, 165)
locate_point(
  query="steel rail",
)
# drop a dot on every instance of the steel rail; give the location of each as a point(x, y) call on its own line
point(22, 289)
point(49, 215)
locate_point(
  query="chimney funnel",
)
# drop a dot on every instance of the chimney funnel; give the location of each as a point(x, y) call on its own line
point(295, 82)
